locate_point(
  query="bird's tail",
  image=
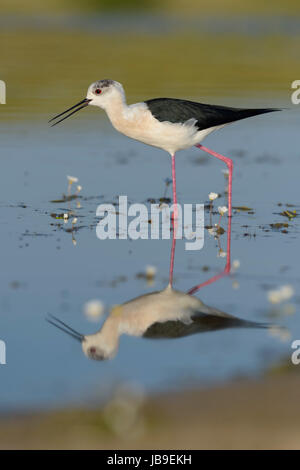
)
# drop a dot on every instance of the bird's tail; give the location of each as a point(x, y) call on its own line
point(246, 113)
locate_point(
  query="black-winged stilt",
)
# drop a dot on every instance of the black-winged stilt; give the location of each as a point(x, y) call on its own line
point(167, 313)
point(163, 314)
point(167, 123)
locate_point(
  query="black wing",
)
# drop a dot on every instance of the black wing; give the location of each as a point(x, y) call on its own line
point(201, 323)
point(207, 115)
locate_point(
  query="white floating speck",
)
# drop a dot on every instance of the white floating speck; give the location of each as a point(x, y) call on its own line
point(93, 309)
point(222, 210)
point(150, 272)
point(277, 296)
point(72, 179)
point(213, 196)
point(222, 254)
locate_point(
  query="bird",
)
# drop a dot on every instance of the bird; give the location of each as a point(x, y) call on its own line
point(168, 313)
point(170, 124)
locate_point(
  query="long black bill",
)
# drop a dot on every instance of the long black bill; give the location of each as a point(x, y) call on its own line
point(64, 327)
point(82, 104)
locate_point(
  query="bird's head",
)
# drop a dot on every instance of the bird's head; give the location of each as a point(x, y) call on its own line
point(100, 93)
point(95, 346)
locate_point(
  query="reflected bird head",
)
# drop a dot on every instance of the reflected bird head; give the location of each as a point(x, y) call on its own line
point(95, 346)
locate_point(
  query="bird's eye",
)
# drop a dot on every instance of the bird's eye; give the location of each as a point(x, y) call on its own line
point(98, 91)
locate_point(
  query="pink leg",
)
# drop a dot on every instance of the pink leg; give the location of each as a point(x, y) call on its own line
point(174, 221)
point(227, 268)
point(172, 260)
point(229, 163)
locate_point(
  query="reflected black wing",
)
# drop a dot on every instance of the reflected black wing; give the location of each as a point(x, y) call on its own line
point(206, 115)
point(200, 323)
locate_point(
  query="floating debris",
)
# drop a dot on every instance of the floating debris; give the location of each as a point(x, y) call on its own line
point(215, 231)
point(65, 198)
point(220, 230)
point(57, 216)
point(222, 210)
point(235, 265)
point(213, 196)
point(150, 272)
point(289, 214)
point(283, 334)
point(164, 200)
point(148, 275)
point(221, 253)
point(72, 179)
point(279, 225)
point(242, 208)
point(281, 294)
point(94, 309)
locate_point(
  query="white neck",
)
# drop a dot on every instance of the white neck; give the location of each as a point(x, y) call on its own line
point(108, 336)
point(116, 105)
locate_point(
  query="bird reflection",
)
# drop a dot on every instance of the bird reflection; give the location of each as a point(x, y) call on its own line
point(168, 313)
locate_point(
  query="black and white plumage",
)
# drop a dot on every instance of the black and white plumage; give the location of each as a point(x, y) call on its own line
point(206, 115)
point(163, 314)
point(168, 123)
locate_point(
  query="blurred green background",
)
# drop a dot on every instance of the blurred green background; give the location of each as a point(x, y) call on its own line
point(51, 51)
point(223, 7)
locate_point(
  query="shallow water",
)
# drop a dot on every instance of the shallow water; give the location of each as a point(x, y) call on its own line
point(238, 62)
point(42, 271)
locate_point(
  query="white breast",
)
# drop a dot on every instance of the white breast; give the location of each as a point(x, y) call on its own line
point(137, 122)
point(137, 315)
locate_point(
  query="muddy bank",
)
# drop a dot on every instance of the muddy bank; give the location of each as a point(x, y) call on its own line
point(262, 414)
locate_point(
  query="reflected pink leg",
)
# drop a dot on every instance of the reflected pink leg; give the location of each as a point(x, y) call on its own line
point(229, 163)
point(174, 221)
point(226, 269)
